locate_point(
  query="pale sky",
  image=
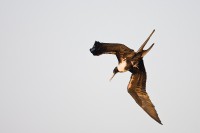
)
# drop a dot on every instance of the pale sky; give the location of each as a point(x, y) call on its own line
point(51, 83)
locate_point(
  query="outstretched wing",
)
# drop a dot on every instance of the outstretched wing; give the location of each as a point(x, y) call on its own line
point(137, 89)
point(120, 50)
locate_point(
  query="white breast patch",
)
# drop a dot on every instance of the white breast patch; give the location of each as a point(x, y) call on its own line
point(121, 66)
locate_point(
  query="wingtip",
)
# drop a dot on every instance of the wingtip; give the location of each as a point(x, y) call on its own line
point(159, 121)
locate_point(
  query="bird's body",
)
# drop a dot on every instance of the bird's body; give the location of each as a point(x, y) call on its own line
point(129, 60)
point(122, 66)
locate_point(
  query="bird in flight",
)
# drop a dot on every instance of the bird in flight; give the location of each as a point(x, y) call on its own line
point(129, 60)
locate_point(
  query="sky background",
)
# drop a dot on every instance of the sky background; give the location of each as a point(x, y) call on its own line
point(51, 83)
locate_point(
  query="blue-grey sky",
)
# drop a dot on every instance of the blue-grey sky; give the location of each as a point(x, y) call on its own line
point(51, 83)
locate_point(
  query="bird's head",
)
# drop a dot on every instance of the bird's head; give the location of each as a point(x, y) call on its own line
point(114, 72)
point(96, 49)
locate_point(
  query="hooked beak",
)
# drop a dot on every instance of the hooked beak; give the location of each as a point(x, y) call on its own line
point(114, 72)
point(112, 76)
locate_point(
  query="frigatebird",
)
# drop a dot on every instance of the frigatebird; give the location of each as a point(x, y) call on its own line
point(129, 60)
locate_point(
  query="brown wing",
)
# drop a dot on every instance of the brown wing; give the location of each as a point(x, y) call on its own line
point(137, 89)
point(120, 50)
point(123, 52)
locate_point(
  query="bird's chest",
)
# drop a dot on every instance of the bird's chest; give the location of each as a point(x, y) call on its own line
point(122, 66)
